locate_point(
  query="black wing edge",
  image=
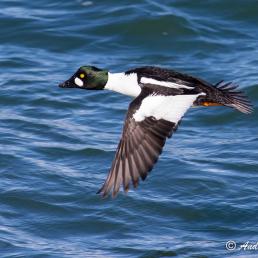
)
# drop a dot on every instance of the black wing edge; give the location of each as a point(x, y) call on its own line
point(127, 169)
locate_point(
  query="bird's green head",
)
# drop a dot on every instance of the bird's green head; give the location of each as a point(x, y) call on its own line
point(87, 77)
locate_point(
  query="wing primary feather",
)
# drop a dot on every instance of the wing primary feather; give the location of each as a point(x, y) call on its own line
point(140, 163)
point(133, 164)
point(126, 171)
point(118, 172)
point(105, 189)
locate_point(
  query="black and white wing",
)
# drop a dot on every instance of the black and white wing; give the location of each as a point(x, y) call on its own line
point(220, 94)
point(150, 120)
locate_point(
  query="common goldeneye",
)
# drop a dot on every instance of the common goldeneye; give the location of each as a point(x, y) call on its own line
point(161, 98)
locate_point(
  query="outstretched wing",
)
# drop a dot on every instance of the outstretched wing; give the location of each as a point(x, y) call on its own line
point(150, 120)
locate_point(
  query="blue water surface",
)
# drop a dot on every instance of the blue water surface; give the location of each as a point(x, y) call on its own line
point(57, 145)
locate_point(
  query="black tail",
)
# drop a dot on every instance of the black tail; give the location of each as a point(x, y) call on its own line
point(230, 96)
point(225, 94)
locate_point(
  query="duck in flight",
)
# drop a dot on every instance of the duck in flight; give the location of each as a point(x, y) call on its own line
point(161, 98)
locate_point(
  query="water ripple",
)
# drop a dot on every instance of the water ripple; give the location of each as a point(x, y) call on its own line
point(57, 145)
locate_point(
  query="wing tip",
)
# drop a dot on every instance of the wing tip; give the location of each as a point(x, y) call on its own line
point(104, 192)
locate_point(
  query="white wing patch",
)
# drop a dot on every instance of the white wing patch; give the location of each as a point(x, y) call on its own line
point(164, 83)
point(170, 108)
point(78, 82)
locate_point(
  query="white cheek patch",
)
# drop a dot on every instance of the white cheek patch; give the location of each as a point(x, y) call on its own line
point(78, 82)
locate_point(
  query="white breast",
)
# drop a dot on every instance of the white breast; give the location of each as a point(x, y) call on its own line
point(123, 83)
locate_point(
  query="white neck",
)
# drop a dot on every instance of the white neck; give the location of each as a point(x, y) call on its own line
point(123, 83)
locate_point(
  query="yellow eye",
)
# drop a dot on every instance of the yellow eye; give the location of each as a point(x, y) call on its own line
point(82, 75)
